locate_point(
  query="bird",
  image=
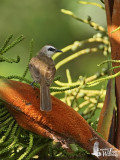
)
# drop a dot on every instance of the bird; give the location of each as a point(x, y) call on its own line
point(42, 70)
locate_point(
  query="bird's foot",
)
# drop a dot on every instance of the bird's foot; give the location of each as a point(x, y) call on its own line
point(32, 84)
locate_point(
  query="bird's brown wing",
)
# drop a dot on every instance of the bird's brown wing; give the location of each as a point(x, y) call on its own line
point(42, 67)
point(47, 69)
point(34, 67)
point(50, 73)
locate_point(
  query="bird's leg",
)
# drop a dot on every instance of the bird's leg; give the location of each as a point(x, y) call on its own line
point(32, 84)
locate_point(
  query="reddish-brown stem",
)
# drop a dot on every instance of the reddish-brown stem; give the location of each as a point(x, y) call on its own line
point(62, 124)
point(113, 22)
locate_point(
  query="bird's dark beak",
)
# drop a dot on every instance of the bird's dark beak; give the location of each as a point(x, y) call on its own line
point(57, 50)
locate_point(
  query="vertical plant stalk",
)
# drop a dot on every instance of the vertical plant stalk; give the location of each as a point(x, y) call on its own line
point(105, 119)
point(113, 22)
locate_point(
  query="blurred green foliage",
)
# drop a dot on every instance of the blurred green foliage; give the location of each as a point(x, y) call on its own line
point(43, 21)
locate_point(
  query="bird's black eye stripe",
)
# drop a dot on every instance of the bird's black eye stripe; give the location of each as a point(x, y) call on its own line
point(51, 49)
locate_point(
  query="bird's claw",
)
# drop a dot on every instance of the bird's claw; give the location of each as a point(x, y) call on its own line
point(32, 84)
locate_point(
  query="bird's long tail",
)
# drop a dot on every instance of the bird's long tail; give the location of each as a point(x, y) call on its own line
point(45, 98)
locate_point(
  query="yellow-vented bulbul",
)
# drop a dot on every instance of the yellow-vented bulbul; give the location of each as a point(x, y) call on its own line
point(42, 69)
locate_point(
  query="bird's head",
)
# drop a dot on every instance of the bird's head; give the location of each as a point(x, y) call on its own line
point(49, 50)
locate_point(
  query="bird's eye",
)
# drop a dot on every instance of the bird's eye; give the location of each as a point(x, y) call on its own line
point(51, 49)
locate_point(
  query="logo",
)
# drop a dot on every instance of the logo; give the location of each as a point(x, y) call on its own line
point(103, 151)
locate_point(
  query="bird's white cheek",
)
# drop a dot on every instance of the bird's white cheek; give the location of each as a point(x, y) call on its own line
point(49, 53)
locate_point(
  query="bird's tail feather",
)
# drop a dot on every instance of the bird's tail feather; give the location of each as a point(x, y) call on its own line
point(45, 98)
